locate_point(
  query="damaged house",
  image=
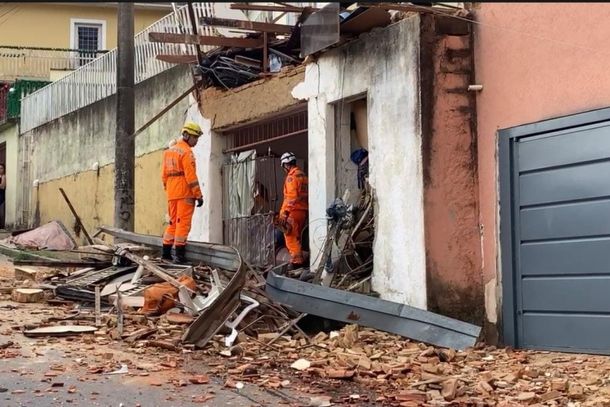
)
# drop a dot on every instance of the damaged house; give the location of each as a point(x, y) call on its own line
point(395, 91)
point(372, 101)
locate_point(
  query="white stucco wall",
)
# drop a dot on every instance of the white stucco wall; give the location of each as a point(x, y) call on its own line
point(207, 220)
point(382, 64)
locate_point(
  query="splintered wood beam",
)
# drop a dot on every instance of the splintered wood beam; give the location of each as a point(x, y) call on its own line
point(178, 59)
point(283, 9)
point(398, 7)
point(205, 40)
point(246, 25)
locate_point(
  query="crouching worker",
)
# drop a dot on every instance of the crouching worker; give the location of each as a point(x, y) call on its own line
point(180, 182)
point(293, 213)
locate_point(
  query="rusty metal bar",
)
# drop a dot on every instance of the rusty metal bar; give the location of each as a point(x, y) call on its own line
point(257, 143)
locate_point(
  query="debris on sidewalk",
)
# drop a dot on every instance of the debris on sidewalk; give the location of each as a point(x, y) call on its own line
point(51, 236)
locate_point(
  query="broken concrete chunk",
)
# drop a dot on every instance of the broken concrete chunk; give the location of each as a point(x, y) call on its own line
point(25, 295)
point(25, 273)
point(301, 364)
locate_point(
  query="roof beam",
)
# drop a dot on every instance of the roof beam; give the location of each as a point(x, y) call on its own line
point(283, 9)
point(205, 40)
point(178, 59)
point(246, 25)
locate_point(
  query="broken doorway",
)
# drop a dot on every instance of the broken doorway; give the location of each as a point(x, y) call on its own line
point(352, 253)
point(253, 182)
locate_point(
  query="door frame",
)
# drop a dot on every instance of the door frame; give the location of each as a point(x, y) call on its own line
point(508, 211)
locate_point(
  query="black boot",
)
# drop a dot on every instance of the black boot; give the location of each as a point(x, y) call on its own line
point(167, 252)
point(180, 255)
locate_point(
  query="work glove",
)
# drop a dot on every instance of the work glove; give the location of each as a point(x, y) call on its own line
point(199, 202)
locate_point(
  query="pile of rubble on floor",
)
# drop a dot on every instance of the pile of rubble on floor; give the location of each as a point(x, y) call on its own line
point(399, 372)
point(247, 337)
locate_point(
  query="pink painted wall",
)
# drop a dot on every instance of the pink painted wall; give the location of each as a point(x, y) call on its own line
point(535, 61)
point(453, 255)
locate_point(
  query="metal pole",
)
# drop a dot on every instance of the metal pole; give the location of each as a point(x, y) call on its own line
point(124, 149)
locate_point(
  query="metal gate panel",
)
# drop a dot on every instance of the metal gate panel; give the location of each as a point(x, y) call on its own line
point(555, 233)
point(565, 184)
point(567, 220)
point(571, 257)
point(569, 146)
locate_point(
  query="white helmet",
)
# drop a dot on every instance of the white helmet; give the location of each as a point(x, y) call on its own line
point(288, 158)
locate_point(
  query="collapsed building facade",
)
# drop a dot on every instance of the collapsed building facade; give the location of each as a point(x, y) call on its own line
point(396, 89)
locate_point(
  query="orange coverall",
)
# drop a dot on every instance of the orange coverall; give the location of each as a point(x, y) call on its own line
point(182, 187)
point(296, 205)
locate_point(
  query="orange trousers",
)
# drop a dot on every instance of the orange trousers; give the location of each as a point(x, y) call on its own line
point(297, 220)
point(181, 215)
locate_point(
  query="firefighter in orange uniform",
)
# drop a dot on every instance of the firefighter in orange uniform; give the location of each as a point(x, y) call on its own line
point(180, 182)
point(293, 214)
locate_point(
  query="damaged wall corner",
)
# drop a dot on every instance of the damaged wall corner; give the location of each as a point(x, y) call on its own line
point(449, 153)
point(207, 220)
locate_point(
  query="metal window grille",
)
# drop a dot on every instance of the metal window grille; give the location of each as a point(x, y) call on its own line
point(254, 235)
point(278, 128)
point(88, 38)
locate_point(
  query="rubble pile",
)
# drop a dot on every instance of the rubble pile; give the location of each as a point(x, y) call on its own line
point(390, 370)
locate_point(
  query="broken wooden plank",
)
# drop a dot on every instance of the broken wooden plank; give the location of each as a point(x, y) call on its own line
point(172, 38)
point(59, 263)
point(246, 25)
point(282, 9)
point(76, 217)
point(140, 334)
point(177, 59)
point(60, 330)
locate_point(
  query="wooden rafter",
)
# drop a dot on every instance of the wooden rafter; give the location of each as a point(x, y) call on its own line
point(205, 40)
point(246, 25)
point(282, 9)
point(178, 59)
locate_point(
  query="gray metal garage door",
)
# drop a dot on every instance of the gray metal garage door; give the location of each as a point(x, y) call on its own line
point(555, 230)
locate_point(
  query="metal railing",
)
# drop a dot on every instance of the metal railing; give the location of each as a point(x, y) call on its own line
point(97, 79)
point(37, 62)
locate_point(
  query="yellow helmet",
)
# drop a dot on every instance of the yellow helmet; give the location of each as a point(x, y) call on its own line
point(192, 129)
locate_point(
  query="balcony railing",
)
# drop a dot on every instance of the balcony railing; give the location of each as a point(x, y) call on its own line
point(97, 79)
point(37, 62)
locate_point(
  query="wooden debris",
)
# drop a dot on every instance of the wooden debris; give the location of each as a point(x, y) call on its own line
point(163, 345)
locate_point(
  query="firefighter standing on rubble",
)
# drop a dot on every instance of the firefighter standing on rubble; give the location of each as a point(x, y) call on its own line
point(293, 214)
point(180, 182)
